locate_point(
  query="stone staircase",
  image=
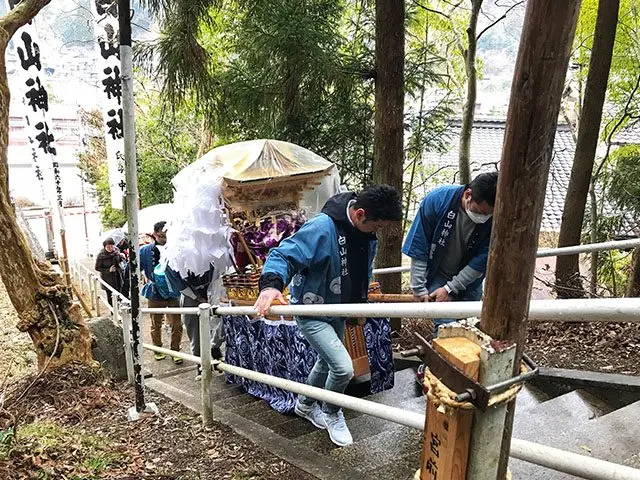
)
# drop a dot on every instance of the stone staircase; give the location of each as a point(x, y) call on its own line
point(579, 421)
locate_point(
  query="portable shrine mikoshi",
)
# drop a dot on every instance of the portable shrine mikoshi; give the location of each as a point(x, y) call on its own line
point(269, 192)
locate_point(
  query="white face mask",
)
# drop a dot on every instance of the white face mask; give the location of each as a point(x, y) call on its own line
point(478, 217)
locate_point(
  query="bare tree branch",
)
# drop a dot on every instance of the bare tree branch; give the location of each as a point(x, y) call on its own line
point(22, 14)
point(504, 15)
point(432, 10)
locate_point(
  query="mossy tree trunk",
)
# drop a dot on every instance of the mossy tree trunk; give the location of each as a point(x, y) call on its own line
point(36, 291)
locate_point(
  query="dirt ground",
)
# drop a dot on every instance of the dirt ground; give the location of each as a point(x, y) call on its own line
point(18, 357)
point(612, 348)
point(71, 424)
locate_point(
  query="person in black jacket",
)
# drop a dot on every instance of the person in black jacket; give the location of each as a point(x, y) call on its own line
point(108, 264)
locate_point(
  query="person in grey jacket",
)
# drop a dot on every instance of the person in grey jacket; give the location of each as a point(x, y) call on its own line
point(194, 291)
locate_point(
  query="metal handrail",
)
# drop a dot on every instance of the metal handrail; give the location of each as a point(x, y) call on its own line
point(548, 252)
point(102, 282)
point(550, 457)
point(572, 310)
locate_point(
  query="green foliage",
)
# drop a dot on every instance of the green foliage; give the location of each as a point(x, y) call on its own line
point(166, 142)
point(623, 180)
point(625, 65)
point(7, 438)
point(299, 70)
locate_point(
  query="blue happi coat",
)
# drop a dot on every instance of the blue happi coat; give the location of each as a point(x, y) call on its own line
point(309, 262)
point(426, 240)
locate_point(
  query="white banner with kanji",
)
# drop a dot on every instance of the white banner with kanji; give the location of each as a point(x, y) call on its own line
point(105, 13)
point(35, 100)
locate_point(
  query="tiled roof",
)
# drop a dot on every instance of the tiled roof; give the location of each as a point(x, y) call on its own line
point(630, 135)
point(486, 147)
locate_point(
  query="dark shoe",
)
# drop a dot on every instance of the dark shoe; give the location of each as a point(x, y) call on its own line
point(216, 353)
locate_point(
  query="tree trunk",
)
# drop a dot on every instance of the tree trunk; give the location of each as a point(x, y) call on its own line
point(36, 291)
point(464, 161)
point(538, 80)
point(633, 287)
point(568, 283)
point(388, 155)
point(206, 138)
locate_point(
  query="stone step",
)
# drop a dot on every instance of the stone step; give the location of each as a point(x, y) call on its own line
point(530, 397)
point(403, 468)
point(558, 416)
point(405, 388)
point(260, 412)
point(361, 427)
point(613, 437)
point(555, 423)
point(380, 450)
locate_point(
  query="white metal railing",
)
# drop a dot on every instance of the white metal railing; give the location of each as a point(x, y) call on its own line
point(548, 252)
point(574, 310)
point(627, 309)
point(82, 274)
point(549, 457)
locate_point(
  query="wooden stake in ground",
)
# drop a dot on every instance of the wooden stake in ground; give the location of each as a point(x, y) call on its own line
point(447, 432)
point(538, 81)
point(35, 290)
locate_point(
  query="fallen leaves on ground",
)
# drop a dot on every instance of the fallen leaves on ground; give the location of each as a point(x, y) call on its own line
point(72, 424)
point(595, 346)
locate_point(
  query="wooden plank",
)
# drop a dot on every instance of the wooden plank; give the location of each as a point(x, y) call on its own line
point(461, 352)
point(389, 297)
point(356, 346)
point(447, 434)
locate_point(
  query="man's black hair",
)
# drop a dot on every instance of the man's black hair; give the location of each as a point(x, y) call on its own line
point(380, 202)
point(158, 226)
point(483, 188)
point(108, 241)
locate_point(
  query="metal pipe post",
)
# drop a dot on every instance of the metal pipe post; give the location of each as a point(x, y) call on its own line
point(204, 324)
point(91, 287)
point(128, 344)
point(129, 133)
point(116, 309)
point(96, 288)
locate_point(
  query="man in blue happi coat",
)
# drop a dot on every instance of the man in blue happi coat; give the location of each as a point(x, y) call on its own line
point(448, 242)
point(329, 260)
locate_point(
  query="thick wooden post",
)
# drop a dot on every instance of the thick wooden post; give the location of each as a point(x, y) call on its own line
point(538, 81)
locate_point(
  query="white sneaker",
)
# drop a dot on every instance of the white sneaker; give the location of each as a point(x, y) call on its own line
point(337, 428)
point(313, 413)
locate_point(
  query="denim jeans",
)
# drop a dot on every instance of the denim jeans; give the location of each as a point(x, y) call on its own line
point(468, 295)
point(333, 369)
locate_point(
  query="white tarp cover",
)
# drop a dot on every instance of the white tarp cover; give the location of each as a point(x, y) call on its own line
point(198, 232)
